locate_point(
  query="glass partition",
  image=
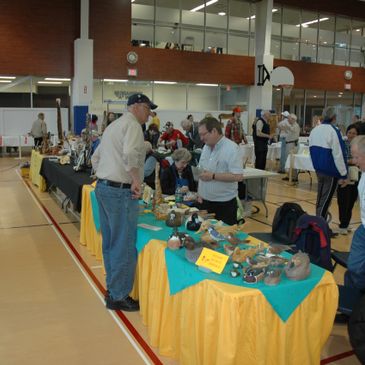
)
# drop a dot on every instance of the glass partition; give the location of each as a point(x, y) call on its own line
point(343, 40)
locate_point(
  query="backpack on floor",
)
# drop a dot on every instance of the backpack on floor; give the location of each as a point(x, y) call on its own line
point(285, 221)
point(312, 235)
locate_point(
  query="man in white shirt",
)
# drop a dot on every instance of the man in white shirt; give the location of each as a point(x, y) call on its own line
point(39, 130)
point(119, 169)
point(222, 169)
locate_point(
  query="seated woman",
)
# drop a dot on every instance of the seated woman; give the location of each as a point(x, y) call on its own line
point(178, 174)
point(152, 135)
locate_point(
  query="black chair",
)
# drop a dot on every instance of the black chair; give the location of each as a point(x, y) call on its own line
point(340, 257)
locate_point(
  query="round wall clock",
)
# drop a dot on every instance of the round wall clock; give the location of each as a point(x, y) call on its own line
point(132, 57)
point(348, 75)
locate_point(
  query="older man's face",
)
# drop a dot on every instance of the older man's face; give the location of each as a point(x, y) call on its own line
point(358, 157)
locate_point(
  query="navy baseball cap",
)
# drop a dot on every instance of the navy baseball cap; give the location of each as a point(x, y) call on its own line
point(141, 98)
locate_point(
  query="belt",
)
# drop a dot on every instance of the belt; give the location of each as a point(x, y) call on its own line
point(296, 141)
point(114, 184)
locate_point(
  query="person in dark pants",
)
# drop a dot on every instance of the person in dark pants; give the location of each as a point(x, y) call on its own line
point(261, 135)
point(222, 168)
point(347, 194)
point(328, 154)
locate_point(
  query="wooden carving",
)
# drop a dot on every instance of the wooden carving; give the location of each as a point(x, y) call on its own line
point(59, 122)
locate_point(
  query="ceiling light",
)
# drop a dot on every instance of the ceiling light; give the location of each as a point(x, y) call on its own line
point(305, 25)
point(358, 30)
point(57, 79)
point(8, 77)
point(5, 81)
point(314, 96)
point(165, 82)
point(204, 5)
point(254, 16)
point(114, 80)
point(132, 1)
point(202, 84)
point(50, 82)
point(222, 13)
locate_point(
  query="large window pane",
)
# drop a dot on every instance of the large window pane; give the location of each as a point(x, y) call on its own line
point(167, 11)
point(343, 37)
point(325, 55)
point(16, 92)
point(142, 35)
point(192, 40)
point(290, 51)
point(309, 29)
point(217, 15)
point(237, 44)
point(170, 96)
point(314, 107)
point(290, 37)
point(202, 98)
point(195, 18)
point(215, 41)
point(357, 43)
point(167, 37)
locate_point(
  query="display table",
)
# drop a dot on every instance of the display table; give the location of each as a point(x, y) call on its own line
point(217, 323)
point(35, 168)
point(256, 182)
point(66, 179)
point(299, 161)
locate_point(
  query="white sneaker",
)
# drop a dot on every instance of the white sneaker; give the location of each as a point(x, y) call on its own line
point(342, 231)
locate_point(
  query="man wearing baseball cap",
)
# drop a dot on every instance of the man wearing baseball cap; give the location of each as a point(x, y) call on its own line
point(173, 138)
point(234, 129)
point(119, 169)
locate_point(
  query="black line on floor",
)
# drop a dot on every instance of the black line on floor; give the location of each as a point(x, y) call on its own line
point(28, 226)
point(257, 220)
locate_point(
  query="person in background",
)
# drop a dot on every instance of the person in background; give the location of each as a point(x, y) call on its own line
point(110, 118)
point(355, 274)
point(152, 135)
point(221, 166)
point(234, 129)
point(173, 138)
point(292, 142)
point(155, 120)
point(119, 170)
point(178, 174)
point(283, 127)
point(95, 141)
point(149, 166)
point(347, 193)
point(192, 133)
point(328, 154)
point(261, 136)
point(94, 123)
point(39, 130)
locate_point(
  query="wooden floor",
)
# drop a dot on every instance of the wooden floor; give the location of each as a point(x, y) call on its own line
point(50, 312)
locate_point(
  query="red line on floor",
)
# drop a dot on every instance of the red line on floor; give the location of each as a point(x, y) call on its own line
point(120, 314)
point(337, 357)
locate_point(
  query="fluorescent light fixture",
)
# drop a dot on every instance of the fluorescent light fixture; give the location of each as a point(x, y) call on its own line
point(50, 82)
point(202, 84)
point(132, 1)
point(8, 77)
point(358, 30)
point(57, 79)
point(204, 5)
point(314, 96)
point(114, 80)
point(305, 25)
point(254, 16)
point(5, 81)
point(222, 13)
point(165, 82)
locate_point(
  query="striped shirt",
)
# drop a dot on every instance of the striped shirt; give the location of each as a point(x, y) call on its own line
point(223, 158)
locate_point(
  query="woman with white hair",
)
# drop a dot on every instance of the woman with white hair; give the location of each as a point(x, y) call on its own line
point(178, 174)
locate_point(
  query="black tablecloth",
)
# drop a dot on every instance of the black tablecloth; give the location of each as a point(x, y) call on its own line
point(66, 179)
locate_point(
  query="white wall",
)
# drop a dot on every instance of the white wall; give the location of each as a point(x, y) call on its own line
point(18, 121)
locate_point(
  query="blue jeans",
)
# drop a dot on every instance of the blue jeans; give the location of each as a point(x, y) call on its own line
point(355, 275)
point(118, 223)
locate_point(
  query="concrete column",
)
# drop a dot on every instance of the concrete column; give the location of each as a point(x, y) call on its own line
point(261, 96)
point(82, 83)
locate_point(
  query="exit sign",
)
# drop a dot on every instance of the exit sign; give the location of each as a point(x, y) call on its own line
point(132, 72)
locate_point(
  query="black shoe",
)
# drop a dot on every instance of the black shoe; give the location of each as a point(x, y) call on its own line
point(285, 178)
point(333, 234)
point(126, 304)
point(341, 318)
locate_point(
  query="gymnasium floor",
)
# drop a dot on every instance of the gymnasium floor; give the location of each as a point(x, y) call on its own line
point(50, 310)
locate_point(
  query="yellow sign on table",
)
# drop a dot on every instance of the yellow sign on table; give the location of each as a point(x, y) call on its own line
point(212, 260)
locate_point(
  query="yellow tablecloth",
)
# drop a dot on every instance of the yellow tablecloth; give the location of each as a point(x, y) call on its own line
point(89, 236)
point(35, 167)
point(217, 323)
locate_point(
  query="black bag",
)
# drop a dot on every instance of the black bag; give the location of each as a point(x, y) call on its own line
point(285, 221)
